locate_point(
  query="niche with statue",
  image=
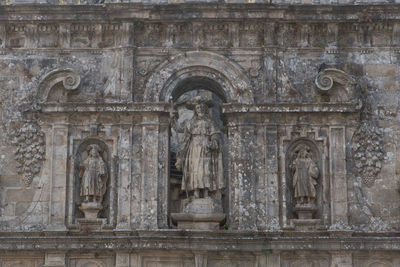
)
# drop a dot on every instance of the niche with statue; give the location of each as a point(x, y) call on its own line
point(92, 184)
point(197, 171)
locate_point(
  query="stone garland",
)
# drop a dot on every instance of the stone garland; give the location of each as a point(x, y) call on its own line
point(367, 148)
point(30, 151)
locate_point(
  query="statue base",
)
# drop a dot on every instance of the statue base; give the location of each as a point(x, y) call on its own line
point(91, 209)
point(305, 211)
point(199, 213)
point(306, 224)
point(90, 225)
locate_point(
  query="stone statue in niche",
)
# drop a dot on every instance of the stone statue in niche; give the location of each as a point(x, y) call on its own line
point(200, 159)
point(200, 151)
point(94, 175)
point(305, 174)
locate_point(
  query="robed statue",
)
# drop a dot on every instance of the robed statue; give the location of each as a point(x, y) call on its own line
point(305, 175)
point(199, 155)
point(94, 176)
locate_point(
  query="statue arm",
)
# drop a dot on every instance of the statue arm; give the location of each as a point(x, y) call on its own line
point(183, 146)
point(175, 124)
point(215, 141)
point(314, 171)
point(82, 168)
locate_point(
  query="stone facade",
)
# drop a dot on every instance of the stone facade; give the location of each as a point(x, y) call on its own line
point(299, 92)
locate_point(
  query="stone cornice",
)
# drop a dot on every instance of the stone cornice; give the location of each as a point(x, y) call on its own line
point(57, 108)
point(350, 107)
point(197, 240)
point(199, 11)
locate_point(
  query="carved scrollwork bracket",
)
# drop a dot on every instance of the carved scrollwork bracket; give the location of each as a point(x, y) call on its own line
point(68, 77)
point(336, 83)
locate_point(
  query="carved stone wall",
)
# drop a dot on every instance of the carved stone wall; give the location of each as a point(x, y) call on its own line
point(280, 76)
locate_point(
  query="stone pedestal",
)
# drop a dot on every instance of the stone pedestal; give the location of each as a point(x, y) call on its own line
point(305, 221)
point(89, 225)
point(305, 211)
point(200, 213)
point(91, 209)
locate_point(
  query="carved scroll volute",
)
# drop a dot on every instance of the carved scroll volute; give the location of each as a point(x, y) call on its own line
point(336, 83)
point(68, 77)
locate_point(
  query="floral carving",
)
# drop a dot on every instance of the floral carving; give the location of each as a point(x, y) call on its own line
point(30, 151)
point(367, 150)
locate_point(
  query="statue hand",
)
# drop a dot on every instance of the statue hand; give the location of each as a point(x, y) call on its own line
point(214, 145)
point(178, 165)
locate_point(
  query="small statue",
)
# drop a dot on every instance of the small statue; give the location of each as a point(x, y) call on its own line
point(200, 151)
point(305, 174)
point(94, 176)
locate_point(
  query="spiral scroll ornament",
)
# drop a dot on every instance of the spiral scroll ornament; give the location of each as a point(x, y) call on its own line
point(326, 79)
point(71, 81)
point(323, 81)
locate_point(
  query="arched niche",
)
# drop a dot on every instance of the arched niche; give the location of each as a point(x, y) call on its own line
point(184, 92)
point(166, 81)
point(317, 158)
point(80, 155)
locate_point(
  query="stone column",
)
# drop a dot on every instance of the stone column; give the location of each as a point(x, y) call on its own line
point(271, 172)
point(242, 211)
point(163, 173)
point(148, 197)
point(153, 194)
point(338, 174)
point(57, 156)
point(124, 174)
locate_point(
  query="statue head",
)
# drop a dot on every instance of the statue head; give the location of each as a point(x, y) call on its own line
point(93, 150)
point(200, 105)
point(201, 110)
point(303, 151)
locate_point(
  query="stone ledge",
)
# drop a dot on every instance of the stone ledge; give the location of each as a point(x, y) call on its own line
point(200, 240)
point(186, 11)
point(350, 107)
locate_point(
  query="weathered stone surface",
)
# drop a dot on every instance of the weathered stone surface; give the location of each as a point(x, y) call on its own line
point(75, 74)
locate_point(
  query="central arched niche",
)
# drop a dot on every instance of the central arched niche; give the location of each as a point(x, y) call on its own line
point(218, 73)
point(184, 91)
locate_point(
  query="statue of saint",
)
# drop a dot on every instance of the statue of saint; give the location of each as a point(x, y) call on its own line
point(94, 176)
point(200, 151)
point(305, 174)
